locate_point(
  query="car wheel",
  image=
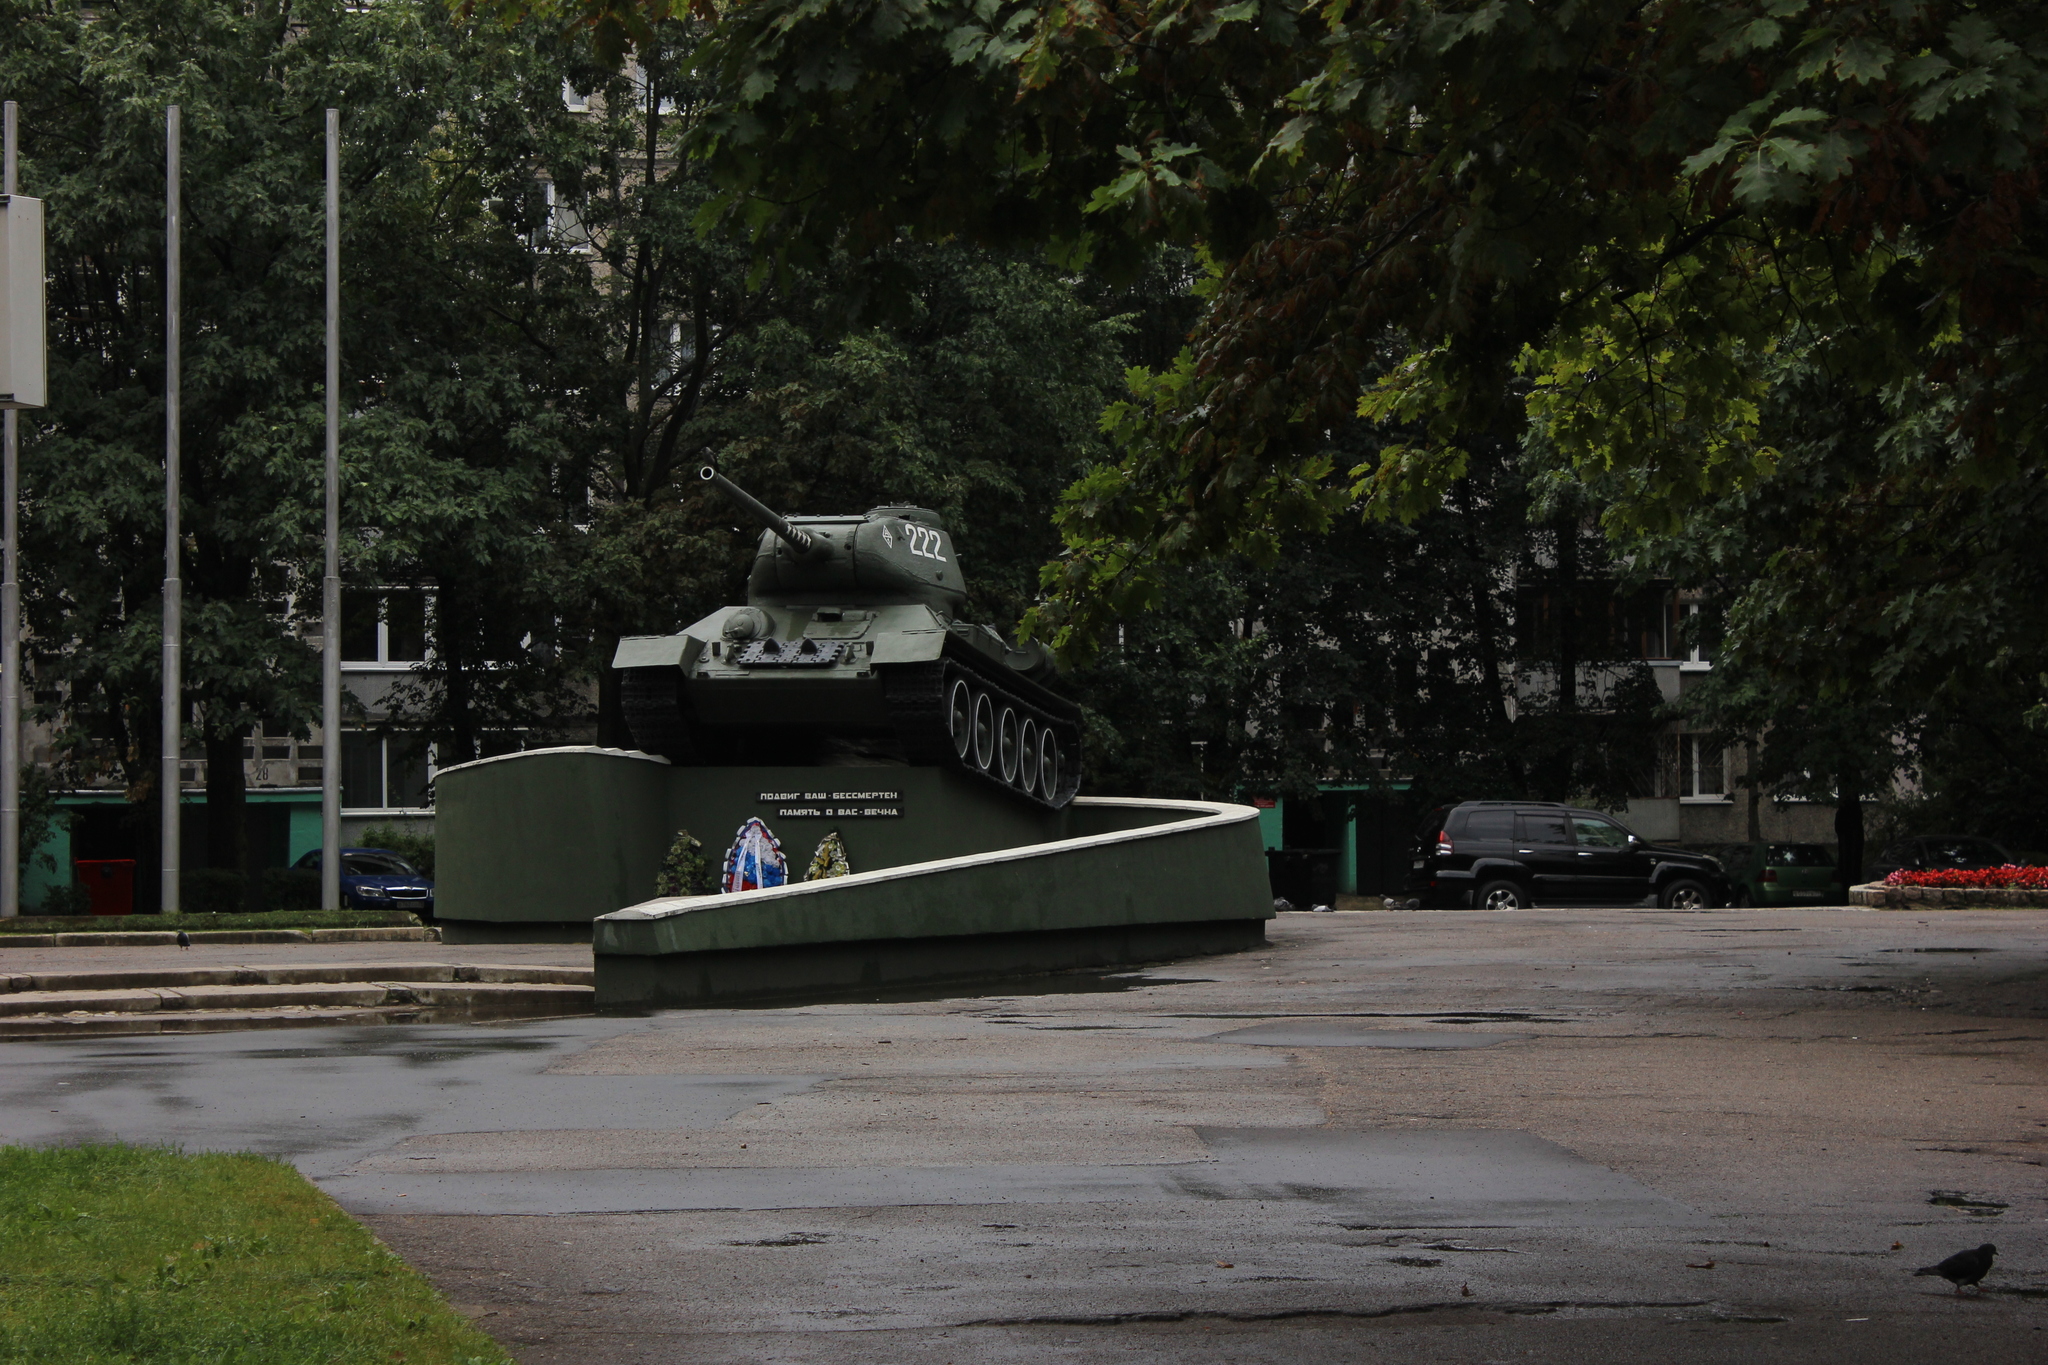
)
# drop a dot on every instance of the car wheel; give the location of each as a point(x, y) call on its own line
point(1686, 895)
point(1502, 895)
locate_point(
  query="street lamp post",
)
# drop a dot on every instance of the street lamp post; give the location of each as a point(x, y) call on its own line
point(330, 583)
point(10, 579)
point(169, 782)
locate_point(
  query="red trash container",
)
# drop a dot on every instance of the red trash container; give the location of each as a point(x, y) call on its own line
point(109, 882)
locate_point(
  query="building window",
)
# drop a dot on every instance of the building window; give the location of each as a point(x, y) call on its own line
point(383, 772)
point(383, 625)
point(1693, 768)
point(1699, 633)
point(562, 223)
point(574, 100)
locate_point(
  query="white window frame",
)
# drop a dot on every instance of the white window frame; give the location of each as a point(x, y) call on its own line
point(1700, 745)
point(1691, 662)
point(384, 663)
point(384, 743)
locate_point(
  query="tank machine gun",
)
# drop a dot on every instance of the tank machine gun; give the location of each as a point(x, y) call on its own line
point(850, 641)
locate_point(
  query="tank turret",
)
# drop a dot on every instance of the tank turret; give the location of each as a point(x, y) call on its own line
point(850, 651)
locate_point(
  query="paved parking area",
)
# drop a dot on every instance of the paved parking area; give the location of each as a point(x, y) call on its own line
point(1558, 1135)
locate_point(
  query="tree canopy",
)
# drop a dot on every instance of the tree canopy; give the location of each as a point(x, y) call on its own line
point(1612, 219)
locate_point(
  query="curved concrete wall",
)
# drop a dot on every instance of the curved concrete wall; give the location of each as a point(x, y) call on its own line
point(551, 841)
point(1154, 862)
point(1153, 880)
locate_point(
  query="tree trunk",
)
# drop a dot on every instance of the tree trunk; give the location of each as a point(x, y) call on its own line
point(611, 707)
point(135, 738)
point(1568, 615)
point(1755, 795)
point(227, 833)
point(1849, 826)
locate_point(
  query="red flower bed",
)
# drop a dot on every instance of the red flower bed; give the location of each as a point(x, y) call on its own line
point(2011, 876)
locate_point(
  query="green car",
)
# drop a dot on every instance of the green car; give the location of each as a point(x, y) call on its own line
point(1782, 874)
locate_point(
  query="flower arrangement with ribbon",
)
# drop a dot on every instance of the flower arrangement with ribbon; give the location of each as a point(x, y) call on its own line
point(755, 860)
point(829, 860)
point(685, 871)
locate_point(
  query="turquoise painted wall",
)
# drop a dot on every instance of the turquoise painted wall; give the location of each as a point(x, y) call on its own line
point(304, 835)
point(305, 832)
point(38, 879)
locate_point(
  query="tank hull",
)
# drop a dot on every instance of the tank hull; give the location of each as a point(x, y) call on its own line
point(850, 652)
point(906, 687)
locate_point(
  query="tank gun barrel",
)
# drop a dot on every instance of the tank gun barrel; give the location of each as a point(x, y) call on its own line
point(800, 541)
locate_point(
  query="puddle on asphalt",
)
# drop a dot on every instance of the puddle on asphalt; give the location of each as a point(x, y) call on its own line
point(446, 1048)
point(1299, 1033)
point(1976, 1208)
point(1433, 1016)
point(1937, 950)
point(1008, 988)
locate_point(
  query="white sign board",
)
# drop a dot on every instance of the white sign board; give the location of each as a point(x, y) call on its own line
point(23, 320)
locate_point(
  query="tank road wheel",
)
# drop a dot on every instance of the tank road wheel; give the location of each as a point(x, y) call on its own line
point(984, 731)
point(1006, 739)
point(1048, 765)
point(1027, 756)
point(960, 717)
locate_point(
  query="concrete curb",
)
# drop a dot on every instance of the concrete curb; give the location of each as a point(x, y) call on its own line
point(158, 938)
point(290, 974)
point(1878, 896)
point(557, 998)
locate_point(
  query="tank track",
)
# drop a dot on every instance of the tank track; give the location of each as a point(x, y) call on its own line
point(652, 699)
point(936, 710)
point(940, 718)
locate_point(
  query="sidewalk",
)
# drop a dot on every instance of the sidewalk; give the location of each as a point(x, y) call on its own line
point(1598, 1136)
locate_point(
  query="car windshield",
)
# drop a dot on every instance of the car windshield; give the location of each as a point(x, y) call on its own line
point(1964, 853)
point(376, 865)
point(1798, 855)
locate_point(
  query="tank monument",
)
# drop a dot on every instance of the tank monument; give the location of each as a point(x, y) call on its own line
point(884, 794)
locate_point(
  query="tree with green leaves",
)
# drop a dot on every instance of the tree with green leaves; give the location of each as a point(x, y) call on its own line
point(1593, 220)
point(974, 390)
point(448, 442)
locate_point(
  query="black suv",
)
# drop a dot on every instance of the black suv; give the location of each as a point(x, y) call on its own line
point(1504, 855)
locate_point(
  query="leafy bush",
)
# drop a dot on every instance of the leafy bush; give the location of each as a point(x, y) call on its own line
point(211, 890)
point(685, 871)
point(291, 888)
point(417, 849)
point(66, 898)
point(272, 919)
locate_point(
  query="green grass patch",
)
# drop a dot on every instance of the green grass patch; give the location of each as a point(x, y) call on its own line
point(140, 1254)
point(276, 919)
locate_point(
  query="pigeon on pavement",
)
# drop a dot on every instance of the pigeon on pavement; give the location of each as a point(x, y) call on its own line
point(1965, 1267)
point(184, 939)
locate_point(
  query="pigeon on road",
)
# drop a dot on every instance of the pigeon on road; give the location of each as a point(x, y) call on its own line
point(184, 939)
point(1965, 1267)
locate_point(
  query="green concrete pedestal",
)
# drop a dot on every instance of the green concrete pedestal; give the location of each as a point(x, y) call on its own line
point(952, 878)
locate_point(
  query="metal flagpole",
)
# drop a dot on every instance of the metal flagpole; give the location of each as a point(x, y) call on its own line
point(169, 785)
point(330, 585)
point(10, 616)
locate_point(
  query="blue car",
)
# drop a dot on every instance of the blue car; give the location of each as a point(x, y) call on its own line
point(377, 879)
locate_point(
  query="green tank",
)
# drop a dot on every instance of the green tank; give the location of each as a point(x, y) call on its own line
point(850, 651)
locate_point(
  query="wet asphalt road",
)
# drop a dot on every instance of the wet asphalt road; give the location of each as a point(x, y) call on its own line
point(1563, 1135)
